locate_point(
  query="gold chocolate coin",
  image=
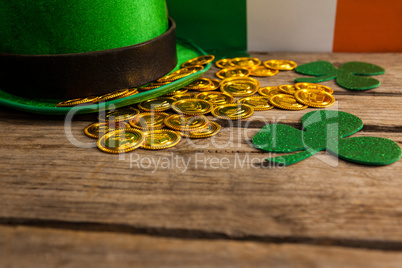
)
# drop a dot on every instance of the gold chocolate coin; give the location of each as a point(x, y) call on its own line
point(315, 98)
point(240, 86)
point(119, 115)
point(212, 129)
point(177, 92)
point(216, 98)
point(183, 72)
point(233, 72)
point(192, 106)
point(288, 89)
point(233, 111)
point(263, 71)
point(186, 123)
point(199, 84)
point(215, 84)
point(130, 92)
point(283, 65)
point(78, 101)
point(187, 95)
point(269, 91)
point(258, 103)
point(287, 102)
point(201, 60)
point(326, 89)
point(121, 141)
point(245, 62)
point(173, 76)
point(161, 139)
point(314, 86)
point(113, 95)
point(223, 63)
point(146, 121)
point(95, 130)
point(153, 86)
point(192, 69)
point(156, 105)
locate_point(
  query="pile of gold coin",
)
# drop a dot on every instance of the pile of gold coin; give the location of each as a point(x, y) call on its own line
point(245, 66)
point(152, 124)
point(237, 83)
point(95, 99)
point(148, 126)
point(126, 129)
point(299, 96)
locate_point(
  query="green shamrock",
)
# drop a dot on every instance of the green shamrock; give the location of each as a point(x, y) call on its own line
point(350, 75)
point(325, 130)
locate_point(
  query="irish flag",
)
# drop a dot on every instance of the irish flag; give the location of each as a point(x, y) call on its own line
point(291, 25)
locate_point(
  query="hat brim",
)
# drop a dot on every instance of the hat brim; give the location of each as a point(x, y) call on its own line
point(186, 50)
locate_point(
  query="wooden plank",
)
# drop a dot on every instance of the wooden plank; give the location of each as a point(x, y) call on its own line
point(45, 178)
point(35, 247)
point(55, 182)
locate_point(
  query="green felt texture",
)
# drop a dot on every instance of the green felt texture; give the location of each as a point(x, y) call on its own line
point(351, 75)
point(219, 27)
point(185, 51)
point(41, 27)
point(368, 150)
point(291, 159)
point(291, 139)
point(326, 130)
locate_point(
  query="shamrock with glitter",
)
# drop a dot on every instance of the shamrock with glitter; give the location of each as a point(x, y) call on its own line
point(351, 75)
point(326, 130)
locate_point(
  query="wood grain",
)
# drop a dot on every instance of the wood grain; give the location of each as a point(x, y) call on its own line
point(60, 248)
point(218, 187)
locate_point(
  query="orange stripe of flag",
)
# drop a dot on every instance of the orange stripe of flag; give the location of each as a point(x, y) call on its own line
point(368, 26)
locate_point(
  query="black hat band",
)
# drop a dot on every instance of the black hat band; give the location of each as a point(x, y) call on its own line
point(68, 76)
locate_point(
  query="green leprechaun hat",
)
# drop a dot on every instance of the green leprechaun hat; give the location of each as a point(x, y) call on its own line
point(52, 51)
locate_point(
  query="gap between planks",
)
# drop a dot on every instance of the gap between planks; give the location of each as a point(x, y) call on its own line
point(188, 234)
point(31, 247)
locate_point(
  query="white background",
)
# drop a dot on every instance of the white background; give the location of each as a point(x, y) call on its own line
point(291, 25)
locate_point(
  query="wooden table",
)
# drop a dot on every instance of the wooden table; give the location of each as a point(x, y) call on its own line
point(65, 206)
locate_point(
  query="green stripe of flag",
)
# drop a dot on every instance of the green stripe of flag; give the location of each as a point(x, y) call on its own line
point(218, 26)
